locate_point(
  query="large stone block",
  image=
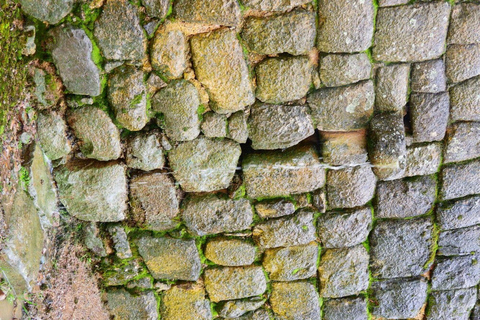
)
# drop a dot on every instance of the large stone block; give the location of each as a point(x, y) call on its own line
point(295, 300)
point(230, 252)
point(52, 135)
point(429, 76)
point(465, 100)
point(344, 148)
point(124, 305)
point(457, 272)
point(187, 301)
point(452, 304)
point(341, 69)
point(423, 159)
point(429, 116)
point(345, 309)
point(51, 11)
point(392, 88)
point(274, 208)
point(460, 180)
point(462, 62)
point(463, 142)
point(459, 214)
point(169, 53)
point(212, 12)
point(464, 24)
point(459, 241)
point(145, 151)
point(273, 5)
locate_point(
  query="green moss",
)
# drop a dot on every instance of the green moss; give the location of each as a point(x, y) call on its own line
point(433, 246)
point(24, 176)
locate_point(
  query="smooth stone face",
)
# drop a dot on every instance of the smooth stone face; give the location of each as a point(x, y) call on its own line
point(341, 69)
point(230, 252)
point(214, 125)
point(428, 76)
point(237, 127)
point(237, 308)
point(156, 8)
point(342, 109)
point(52, 135)
point(295, 300)
point(423, 160)
point(460, 180)
point(459, 214)
point(273, 5)
point(392, 87)
point(124, 305)
point(464, 24)
point(429, 116)
point(344, 148)
point(345, 309)
point(52, 11)
point(186, 300)
point(462, 62)
point(145, 152)
point(457, 272)
point(463, 142)
point(453, 304)
point(213, 12)
point(459, 242)
point(169, 53)
point(274, 208)
point(404, 33)
point(171, 259)
point(465, 100)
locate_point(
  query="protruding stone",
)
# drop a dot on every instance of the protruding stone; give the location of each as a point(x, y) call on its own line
point(230, 252)
point(274, 208)
point(295, 300)
point(341, 69)
point(213, 12)
point(459, 214)
point(429, 76)
point(392, 88)
point(429, 116)
point(423, 160)
point(187, 301)
point(120, 241)
point(465, 100)
point(51, 11)
point(464, 24)
point(145, 152)
point(273, 5)
point(237, 308)
point(52, 135)
point(463, 142)
point(460, 180)
point(156, 8)
point(457, 272)
point(169, 53)
point(214, 125)
point(345, 309)
point(462, 62)
point(344, 148)
point(459, 241)
point(237, 127)
point(453, 304)
point(124, 305)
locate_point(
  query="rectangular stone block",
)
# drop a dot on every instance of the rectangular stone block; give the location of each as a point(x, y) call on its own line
point(462, 241)
point(459, 214)
point(423, 159)
point(460, 180)
point(295, 300)
point(465, 100)
point(463, 142)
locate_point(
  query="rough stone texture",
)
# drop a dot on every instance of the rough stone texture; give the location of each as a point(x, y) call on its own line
point(423, 160)
point(345, 26)
point(98, 137)
point(156, 8)
point(171, 259)
point(237, 308)
point(274, 174)
point(103, 187)
point(293, 33)
point(169, 53)
point(295, 300)
point(229, 283)
point(210, 214)
point(274, 208)
point(283, 79)
point(278, 127)
point(344, 148)
point(462, 62)
point(456, 272)
point(459, 241)
point(350, 187)
point(120, 241)
point(185, 301)
point(401, 248)
point(213, 12)
point(237, 127)
point(291, 263)
point(52, 135)
point(219, 65)
point(273, 5)
point(464, 24)
point(178, 104)
point(343, 272)
point(204, 164)
point(463, 142)
point(428, 76)
point(47, 91)
point(405, 198)
point(341, 69)
point(399, 299)
point(290, 231)
point(120, 274)
point(344, 108)
point(459, 214)
point(389, 3)
point(72, 54)
point(339, 230)
point(429, 116)
point(93, 241)
point(465, 100)
point(318, 200)
point(454, 304)
point(52, 11)
point(392, 87)
point(124, 305)
point(345, 309)
point(404, 33)
point(460, 180)
point(145, 151)
point(230, 252)
point(214, 125)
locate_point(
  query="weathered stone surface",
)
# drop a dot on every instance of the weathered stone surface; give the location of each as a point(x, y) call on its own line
point(345, 309)
point(230, 252)
point(118, 31)
point(145, 151)
point(278, 127)
point(404, 33)
point(454, 304)
point(120, 241)
point(219, 65)
point(405, 198)
point(214, 125)
point(465, 100)
point(93, 241)
point(72, 54)
point(47, 88)
point(169, 53)
point(389, 3)
point(429, 116)
point(344, 108)
point(120, 274)
point(343, 272)
point(295, 300)
point(341, 69)
point(103, 187)
point(344, 148)
point(460, 180)
point(293, 33)
point(459, 241)
point(283, 232)
point(319, 200)
point(350, 187)
point(462, 62)
point(260, 314)
point(171, 259)
point(274, 174)
point(459, 214)
point(464, 24)
point(237, 127)
point(339, 230)
point(204, 164)
point(185, 301)
point(236, 309)
point(274, 208)
point(392, 87)
point(156, 8)
point(345, 26)
point(178, 104)
point(229, 283)
point(273, 5)
point(456, 272)
point(51, 11)
point(124, 305)
point(214, 12)
point(428, 76)
point(52, 135)
point(423, 160)
point(463, 142)
point(399, 299)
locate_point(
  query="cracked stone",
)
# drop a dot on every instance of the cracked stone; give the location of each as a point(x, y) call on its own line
point(237, 127)
point(465, 100)
point(169, 53)
point(156, 8)
point(230, 252)
point(459, 214)
point(463, 142)
point(345, 309)
point(459, 241)
point(341, 69)
point(237, 308)
point(214, 125)
point(51, 11)
point(457, 272)
point(460, 180)
point(52, 135)
point(462, 62)
point(465, 22)
point(124, 305)
point(392, 88)
point(213, 12)
point(423, 160)
point(429, 116)
point(187, 301)
point(295, 300)
point(274, 208)
point(145, 151)
point(344, 148)
point(453, 304)
point(429, 76)
point(120, 241)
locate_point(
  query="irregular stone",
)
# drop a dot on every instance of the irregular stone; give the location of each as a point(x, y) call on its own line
point(154, 83)
point(283, 79)
point(93, 241)
point(237, 127)
point(345, 309)
point(464, 23)
point(429, 76)
point(392, 87)
point(454, 304)
point(103, 187)
point(319, 200)
point(344, 148)
point(213, 12)
point(169, 53)
point(124, 305)
point(401, 248)
point(156, 8)
point(460, 180)
point(237, 308)
point(459, 241)
point(462, 62)
point(429, 116)
point(423, 160)
point(145, 152)
point(187, 301)
point(278, 127)
point(459, 214)
point(399, 299)
point(463, 142)
point(342, 109)
point(389, 3)
point(48, 90)
point(273, 5)
point(141, 284)
point(345, 26)
point(465, 100)
point(51, 11)
point(291, 263)
point(204, 164)
point(293, 33)
point(341, 69)
point(339, 230)
point(118, 31)
point(178, 104)
point(404, 33)
point(120, 274)
point(350, 187)
point(283, 232)
point(52, 135)
point(230, 252)
point(230, 283)
point(219, 65)
point(343, 272)
point(214, 125)
point(120, 241)
point(295, 300)
point(457, 272)
point(275, 174)
point(274, 208)
point(171, 259)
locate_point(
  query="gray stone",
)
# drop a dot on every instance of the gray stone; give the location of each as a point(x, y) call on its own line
point(186, 301)
point(51, 11)
point(345, 309)
point(124, 305)
point(460, 180)
point(121, 273)
point(404, 33)
point(451, 305)
point(278, 127)
point(171, 259)
point(345, 26)
point(93, 241)
point(464, 24)
point(169, 53)
point(459, 214)
point(120, 241)
point(462, 62)
point(295, 300)
point(429, 76)
point(273, 5)
point(339, 230)
point(459, 241)
point(204, 164)
point(319, 200)
point(429, 116)
point(230, 252)
point(237, 127)
point(237, 308)
point(213, 12)
point(423, 159)
point(140, 284)
point(48, 90)
point(52, 135)
point(154, 83)
point(343, 272)
point(465, 100)
point(341, 69)
point(156, 8)
point(344, 148)
point(214, 125)
point(392, 87)
point(390, 3)
point(463, 142)
point(458, 272)
point(274, 208)
point(145, 152)
point(342, 109)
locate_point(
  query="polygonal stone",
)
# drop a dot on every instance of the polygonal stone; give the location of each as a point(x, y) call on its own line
point(47, 88)
point(457, 272)
point(281, 173)
point(350, 187)
point(345, 309)
point(459, 214)
point(219, 65)
point(98, 137)
point(295, 300)
point(124, 305)
point(460, 180)
point(392, 87)
point(401, 248)
point(274, 208)
point(213, 12)
point(120, 241)
point(291, 263)
point(343, 272)
point(171, 259)
point(459, 241)
point(214, 125)
point(344, 148)
point(465, 100)
point(463, 142)
point(429, 116)
point(156, 8)
point(230, 252)
point(273, 5)
point(229, 283)
point(293, 33)
point(204, 164)
point(423, 160)
point(237, 127)
point(464, 24)
point(51, 11)
point(339, 230)
point(93, 241)
point(237, 308)
point(169, 53)
point(345, 26)
point(453, 304)
point(341, 69)
point(52, 135)
point(210, 214)
point(462, 62)
point(428, 76)
point(278, 127)
point(145, 152)
point(187, 301)
point(319, 200)
point(404, 33)
point(342, 109)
